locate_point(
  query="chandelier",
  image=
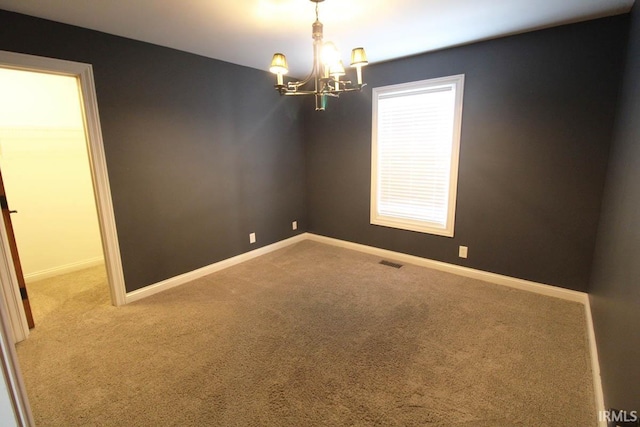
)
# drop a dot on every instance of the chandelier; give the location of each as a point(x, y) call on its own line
point(324, 79)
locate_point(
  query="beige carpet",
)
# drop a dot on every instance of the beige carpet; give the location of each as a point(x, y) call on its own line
point(310, 335)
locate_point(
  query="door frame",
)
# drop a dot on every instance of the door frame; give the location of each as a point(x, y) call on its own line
point(99, 176)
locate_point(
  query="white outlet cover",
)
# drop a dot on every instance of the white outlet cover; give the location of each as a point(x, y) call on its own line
point(294, 225)
point(463, 251)
point(252, 238)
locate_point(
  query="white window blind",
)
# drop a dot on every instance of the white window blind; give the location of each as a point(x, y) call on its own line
point(415, 145)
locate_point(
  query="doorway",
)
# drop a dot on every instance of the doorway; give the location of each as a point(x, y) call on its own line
point(46, 176)
point(81, 76)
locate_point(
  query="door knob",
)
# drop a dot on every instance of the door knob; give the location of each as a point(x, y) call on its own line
point(13, 212)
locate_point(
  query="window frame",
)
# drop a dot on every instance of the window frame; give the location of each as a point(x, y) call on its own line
point(455, 81)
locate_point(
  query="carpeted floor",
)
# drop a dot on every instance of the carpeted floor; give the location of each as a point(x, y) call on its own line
point(310, 335)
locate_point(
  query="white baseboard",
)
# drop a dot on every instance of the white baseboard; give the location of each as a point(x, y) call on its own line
point(209, 269)
point(512, 282)
point(525, 285)
point(63, 269)
point(595, 363)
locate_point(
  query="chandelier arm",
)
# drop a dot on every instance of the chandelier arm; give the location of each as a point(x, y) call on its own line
point(299, 93)
point(310, 92)
point(328, 89)
point(353, 89)
point(306, 80)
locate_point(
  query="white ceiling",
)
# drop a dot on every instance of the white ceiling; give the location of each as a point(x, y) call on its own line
point(248, 32)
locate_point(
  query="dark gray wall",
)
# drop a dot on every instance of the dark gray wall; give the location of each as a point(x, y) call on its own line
point(200, 152)
point(615, 285)
point(537, 123)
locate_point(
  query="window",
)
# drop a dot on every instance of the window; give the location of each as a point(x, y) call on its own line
point(414, 157)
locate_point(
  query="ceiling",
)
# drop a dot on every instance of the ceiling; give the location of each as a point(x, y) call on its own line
point(248, 32)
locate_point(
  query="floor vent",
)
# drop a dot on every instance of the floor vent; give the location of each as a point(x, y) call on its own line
point(390, 264)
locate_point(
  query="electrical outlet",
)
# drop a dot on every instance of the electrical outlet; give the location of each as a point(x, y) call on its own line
point(294, 225)
point(462, 251)
point(252, 238)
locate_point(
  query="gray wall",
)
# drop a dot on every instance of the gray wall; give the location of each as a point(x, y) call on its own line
point(615, 285)
point(537, 122)
point(200, 152)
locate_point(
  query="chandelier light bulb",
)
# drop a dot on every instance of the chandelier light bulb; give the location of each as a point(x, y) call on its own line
point(336, 71)
point(279, 67)
point(330, 54)
point(359, 60)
